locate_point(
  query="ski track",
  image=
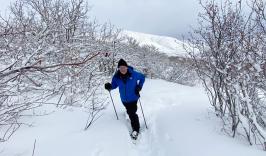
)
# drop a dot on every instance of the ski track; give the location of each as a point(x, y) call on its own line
point(149, 143)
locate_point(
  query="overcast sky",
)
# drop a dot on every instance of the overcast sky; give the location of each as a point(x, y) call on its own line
point(162, 17)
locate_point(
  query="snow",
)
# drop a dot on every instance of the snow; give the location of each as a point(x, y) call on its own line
point(179, 119)
point(167, 45)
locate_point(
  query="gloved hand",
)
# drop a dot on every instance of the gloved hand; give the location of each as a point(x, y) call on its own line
point(108, 86)
point(137, 89)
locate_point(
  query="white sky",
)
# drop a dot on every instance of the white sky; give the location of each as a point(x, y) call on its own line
point(161, 17)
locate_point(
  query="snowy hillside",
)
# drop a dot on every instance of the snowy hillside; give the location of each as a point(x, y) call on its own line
point(179, 120)
point(168, 45)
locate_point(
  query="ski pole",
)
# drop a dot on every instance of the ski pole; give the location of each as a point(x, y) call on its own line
point(113, 105)
point(143, 113)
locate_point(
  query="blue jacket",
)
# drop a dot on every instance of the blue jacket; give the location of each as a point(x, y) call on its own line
point(127, 85)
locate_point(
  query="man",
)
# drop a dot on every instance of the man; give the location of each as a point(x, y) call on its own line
point(130, 84)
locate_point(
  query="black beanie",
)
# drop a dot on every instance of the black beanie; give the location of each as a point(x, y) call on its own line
point(121, 62)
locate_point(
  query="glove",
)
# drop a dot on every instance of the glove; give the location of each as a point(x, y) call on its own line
point(137, 89)
point(108, 86)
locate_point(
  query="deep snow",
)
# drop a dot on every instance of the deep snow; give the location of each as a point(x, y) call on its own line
point(179, 119)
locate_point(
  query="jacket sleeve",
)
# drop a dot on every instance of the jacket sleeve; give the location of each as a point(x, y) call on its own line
point(141, 79)
point(114, 83)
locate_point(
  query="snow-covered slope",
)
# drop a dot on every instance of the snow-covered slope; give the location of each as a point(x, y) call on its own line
point(168, 45)
point(179, 120)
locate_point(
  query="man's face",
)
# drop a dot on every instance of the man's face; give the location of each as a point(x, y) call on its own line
point(123, 69)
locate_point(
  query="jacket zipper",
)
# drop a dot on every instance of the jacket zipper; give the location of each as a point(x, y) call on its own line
point(126, 90)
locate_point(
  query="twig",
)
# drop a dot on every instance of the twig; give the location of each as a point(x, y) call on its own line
point(34, 148)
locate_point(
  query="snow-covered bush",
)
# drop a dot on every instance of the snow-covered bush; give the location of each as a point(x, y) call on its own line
point(228, 50)
point(50, 49)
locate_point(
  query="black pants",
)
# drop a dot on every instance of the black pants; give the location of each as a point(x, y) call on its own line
point(131, 111)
